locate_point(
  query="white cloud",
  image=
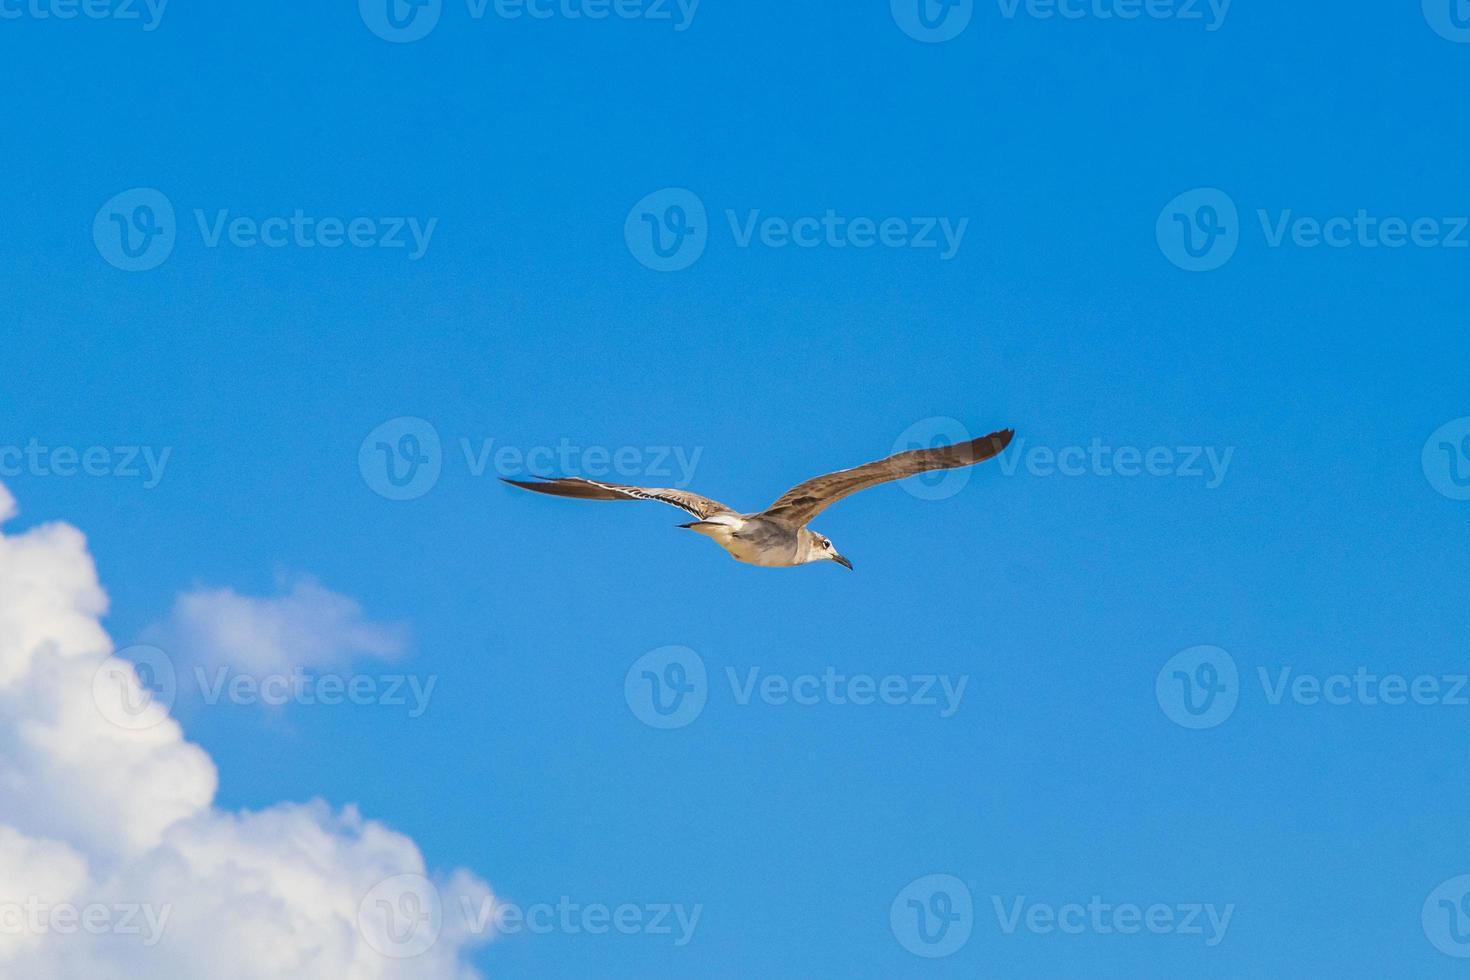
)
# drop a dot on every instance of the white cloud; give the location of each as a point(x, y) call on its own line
point(308, 626)
point(115, 864)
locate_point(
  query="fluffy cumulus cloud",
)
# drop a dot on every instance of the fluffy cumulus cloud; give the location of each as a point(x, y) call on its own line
point(308, 626)
point(114, 862)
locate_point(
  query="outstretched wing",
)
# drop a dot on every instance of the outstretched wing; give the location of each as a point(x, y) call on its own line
point(806, 500)
point(571, 486)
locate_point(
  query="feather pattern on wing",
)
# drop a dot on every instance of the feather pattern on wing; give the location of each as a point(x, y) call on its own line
point(570, 486)
point(806, 500)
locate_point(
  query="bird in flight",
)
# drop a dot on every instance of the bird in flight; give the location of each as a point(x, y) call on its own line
point(778, 537)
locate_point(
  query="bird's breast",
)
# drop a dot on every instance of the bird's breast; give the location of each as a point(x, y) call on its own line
point(759, 542)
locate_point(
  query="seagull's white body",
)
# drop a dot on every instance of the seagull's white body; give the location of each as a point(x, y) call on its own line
point(723, 530)
point(754, 541)
point(778, 537)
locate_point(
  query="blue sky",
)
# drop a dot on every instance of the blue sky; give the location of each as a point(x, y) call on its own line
point(1313, 376)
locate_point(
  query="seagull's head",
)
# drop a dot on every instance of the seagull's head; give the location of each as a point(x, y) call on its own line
point(820, 548)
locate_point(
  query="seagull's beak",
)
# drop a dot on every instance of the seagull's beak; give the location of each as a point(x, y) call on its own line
point(842, 561)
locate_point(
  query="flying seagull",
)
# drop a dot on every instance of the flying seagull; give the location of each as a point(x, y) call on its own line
point(778, 537)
